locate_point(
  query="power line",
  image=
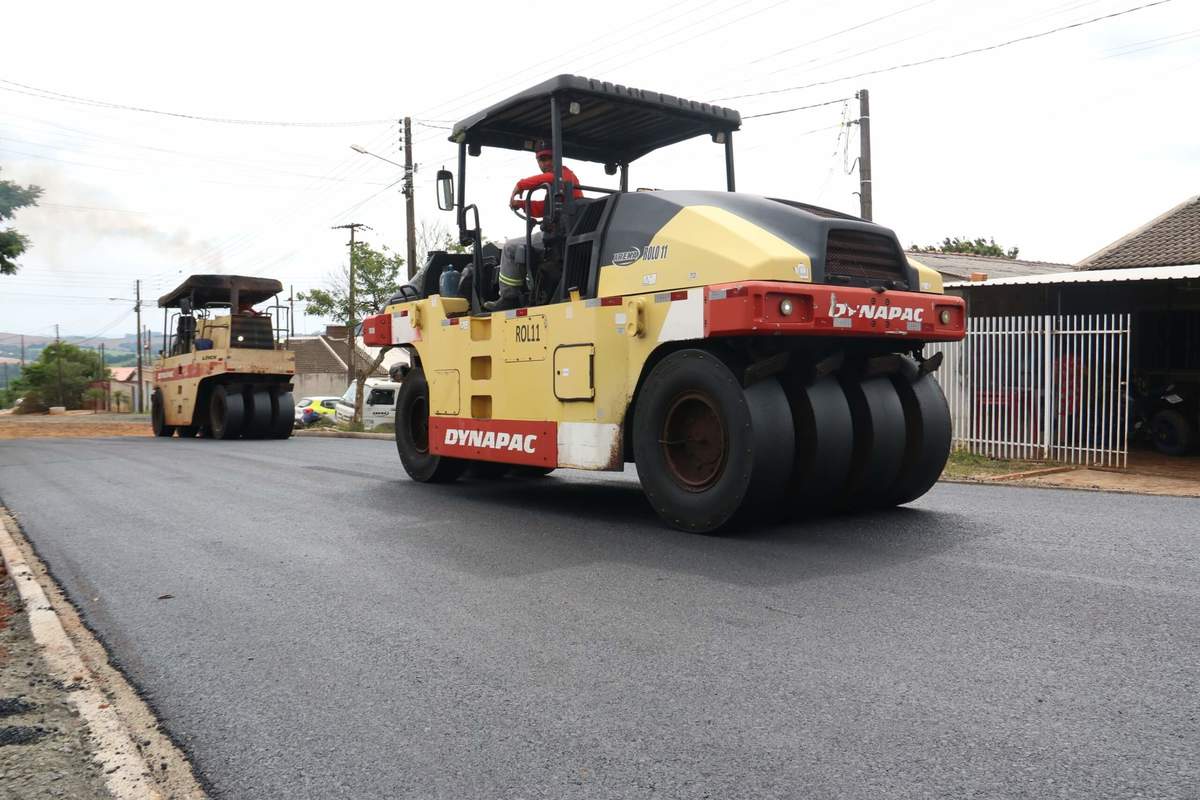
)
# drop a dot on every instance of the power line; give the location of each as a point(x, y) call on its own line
point(797, 108)
point(213, 159)
point(835, 34)
point(950, 56)
point(60, 97)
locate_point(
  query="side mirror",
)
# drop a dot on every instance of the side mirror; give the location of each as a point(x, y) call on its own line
point(445, 190)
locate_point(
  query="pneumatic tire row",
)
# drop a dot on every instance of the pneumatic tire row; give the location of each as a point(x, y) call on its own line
point(233, 412)
point(710, 451)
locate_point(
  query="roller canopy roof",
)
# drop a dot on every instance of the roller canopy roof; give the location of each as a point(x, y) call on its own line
point(205, 289)
point(615, 124)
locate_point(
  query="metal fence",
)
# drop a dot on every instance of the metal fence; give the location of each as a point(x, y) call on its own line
point(1041, 387)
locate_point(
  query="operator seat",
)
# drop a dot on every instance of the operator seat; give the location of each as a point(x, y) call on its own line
point(185, 333)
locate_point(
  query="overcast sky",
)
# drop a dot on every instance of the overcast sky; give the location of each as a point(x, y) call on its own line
point(1057, 145)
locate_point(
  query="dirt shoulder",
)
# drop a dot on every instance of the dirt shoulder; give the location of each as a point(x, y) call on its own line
point(1147, 473)
point(73, 424)
point(45, 751)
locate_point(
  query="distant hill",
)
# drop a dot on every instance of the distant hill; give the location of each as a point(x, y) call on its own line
point(10, 343)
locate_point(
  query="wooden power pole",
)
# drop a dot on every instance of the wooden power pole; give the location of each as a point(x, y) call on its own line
point(864, 157)
point(104, 376)
point(137, 307)
point(409, 207)
point(59, 359)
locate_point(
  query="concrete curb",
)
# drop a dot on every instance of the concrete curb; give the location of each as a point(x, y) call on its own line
point(344, 434)
point(1029, 473)
point(126, 773)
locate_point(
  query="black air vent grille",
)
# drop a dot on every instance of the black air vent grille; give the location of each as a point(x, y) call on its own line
point(864, 258)
point(590, 218)
point(579, 262)
point(256, 333)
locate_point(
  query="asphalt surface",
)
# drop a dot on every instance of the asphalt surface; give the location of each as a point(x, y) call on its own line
point(336, 630)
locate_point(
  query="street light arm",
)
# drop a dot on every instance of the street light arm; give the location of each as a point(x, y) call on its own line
point(360, 149)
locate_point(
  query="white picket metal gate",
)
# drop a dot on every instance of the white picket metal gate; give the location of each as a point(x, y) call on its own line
point(1041, 387)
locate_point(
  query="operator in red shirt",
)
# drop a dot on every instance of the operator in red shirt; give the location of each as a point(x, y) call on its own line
point(514, 262)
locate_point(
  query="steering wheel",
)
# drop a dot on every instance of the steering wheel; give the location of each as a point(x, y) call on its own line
point(518, 209)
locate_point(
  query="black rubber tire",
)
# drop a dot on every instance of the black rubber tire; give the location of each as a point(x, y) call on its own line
point(258, 414)
point(1172, 433)
point(824, 431)
point(879, 439)
point(412, 435)
point(283, 415)
point(755, 455)
point(928, 433)
point(227, 412)
point(487, 470)
point(188, 431)
point(158, 416)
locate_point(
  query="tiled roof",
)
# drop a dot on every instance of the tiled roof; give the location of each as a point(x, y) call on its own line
point(959, 266)
point(325, 355)
point(313, 357)
point(125, 374)
point(1172, 239)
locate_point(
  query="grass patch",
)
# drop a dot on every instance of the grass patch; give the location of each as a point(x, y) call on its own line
point(964, 465)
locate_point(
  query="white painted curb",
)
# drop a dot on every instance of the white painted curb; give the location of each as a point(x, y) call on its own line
point(328, 434)
point(125, 771)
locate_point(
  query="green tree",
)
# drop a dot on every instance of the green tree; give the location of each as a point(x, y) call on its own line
point(12, 242)
point(975, 247)
point(378, 275)
point(60, 376)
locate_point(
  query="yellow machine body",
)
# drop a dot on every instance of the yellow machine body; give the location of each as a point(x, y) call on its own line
point(566, 373)
point(181, 378)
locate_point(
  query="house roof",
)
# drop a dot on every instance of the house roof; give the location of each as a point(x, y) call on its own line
point(325, 354)
point(1168, 240)
point(960, 266)
point(126, 374)
point(1177, 272)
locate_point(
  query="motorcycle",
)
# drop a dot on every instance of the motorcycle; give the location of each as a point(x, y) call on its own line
point(1165, 414)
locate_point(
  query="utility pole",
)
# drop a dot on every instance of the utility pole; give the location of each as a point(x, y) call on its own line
point(408, 198)
point(351, 343)
point(291, 311)
point(137, 307)
point(104, 375)
point(864, 157)
point(58, 343)
point(22, 351)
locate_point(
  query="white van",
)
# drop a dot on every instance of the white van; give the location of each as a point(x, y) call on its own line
point(379, 403)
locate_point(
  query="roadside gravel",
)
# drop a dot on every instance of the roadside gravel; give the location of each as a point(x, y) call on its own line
point(44, 746)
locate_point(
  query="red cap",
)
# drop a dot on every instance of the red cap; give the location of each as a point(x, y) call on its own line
point(545, 151)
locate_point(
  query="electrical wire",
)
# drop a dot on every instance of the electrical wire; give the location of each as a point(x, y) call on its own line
point(797, 108)
point(972, 51)
point(843, 31)
point(47, 94)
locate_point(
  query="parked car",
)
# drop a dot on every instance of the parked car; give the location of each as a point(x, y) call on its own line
point(379, 403)
point(312, 409)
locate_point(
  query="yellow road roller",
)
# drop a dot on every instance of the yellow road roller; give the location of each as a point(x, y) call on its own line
point(750, 355)
point(224, 371)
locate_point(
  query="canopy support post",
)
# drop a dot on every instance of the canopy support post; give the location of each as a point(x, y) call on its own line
point(729, 183)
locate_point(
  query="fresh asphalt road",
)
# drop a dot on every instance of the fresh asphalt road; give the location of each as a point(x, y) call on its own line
point(336, 630)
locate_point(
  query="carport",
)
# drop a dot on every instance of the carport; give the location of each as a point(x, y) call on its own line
point(1133, 354)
